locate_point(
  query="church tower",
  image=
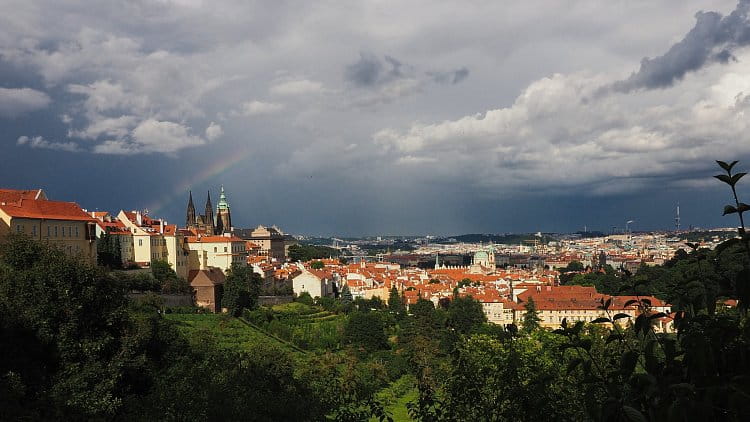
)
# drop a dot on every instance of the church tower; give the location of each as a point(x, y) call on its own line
point(190, 218)
point(209, 217)
point(223, 214)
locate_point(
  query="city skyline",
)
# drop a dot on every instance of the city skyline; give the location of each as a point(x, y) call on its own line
point(362, 120)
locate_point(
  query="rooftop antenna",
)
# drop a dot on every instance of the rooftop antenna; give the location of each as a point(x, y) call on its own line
point(677, 219)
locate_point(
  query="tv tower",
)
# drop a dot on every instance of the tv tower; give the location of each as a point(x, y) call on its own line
point(677, 218)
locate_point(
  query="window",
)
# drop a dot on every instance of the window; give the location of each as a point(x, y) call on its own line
point(225, 248)
point(215, 250)
point(19, 228)
point(48, 230)
point(76, 231)
point(140, 242)
point(55, 231)
point(33, 230)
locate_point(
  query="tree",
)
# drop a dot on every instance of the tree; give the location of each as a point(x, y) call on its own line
point(305, 298)
point(108, 252)
point(396, 304)
point(304, 253)
point(162, 270)
point(465, 315)
point(465, 282)
point(573, 266)
point(241, 289)
point(317, 265)
point(346, 295)
point(69, 348)
point(520, 379)
point(531, 318)
point(365, 330)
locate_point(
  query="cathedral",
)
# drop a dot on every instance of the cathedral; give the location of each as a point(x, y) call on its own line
point(206, 223)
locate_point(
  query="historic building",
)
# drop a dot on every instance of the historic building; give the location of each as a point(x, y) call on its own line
point(62, 224)
point(206, 223)
point(270, 239)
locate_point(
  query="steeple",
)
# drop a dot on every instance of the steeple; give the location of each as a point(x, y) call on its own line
point(209, 215)
point(223, 204)
point(223, 215)
point(190, 217)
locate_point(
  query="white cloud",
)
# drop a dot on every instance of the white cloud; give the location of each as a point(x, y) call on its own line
point(557, 134)
point(255, 107)
point(163, 136)
point(17, 101)
point(214, 131)
point(40, 142)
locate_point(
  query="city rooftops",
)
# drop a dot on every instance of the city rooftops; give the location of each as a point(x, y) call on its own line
point(43, 209)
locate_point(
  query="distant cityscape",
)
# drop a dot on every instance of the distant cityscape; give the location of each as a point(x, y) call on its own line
point(500, 271)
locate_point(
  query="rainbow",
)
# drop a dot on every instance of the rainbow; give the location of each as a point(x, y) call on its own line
point(178, 193)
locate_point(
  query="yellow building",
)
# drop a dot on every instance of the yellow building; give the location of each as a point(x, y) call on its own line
point(63, 224)
point(215, 251)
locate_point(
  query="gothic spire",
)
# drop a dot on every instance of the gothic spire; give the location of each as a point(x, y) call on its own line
point(209, 214)
point(190, 216)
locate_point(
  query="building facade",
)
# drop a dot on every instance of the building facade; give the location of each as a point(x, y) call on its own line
point(62, 224)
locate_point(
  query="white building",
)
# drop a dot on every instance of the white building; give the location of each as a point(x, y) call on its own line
point(216, 251)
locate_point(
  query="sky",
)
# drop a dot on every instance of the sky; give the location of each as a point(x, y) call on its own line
point(381, 117)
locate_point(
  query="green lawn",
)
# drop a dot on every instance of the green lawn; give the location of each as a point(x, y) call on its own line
point(398, 409)
point(229, 333)
point(396, 396)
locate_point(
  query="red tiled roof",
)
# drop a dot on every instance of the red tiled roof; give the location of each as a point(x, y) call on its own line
point(213, 239)
point(15, 195)
point(49, 210)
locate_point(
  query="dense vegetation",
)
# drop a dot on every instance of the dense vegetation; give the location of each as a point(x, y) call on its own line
point(507, 239)
point(304, 253)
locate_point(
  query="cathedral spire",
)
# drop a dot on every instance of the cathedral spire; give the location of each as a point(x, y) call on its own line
point(190, 217)
point(209, 215)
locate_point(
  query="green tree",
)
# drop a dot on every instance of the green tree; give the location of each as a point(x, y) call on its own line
point(170, 283)
point(317, 265)
point(396, 304)
point(365, 330)
point(346, 295)
point(305, 298)
point(573, 266)
point(108, 251)
point(69, 348)
point(465, 315)
point(531, 318)
point(241, 289)
point(512, 379)
point(162, 270)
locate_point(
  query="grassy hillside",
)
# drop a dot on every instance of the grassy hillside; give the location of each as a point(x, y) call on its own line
point(229, 333)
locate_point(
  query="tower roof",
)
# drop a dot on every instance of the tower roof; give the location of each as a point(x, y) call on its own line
point(223, 204)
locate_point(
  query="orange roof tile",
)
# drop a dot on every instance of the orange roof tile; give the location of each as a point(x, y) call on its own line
point(213, 239)
point(15, 195)
point(49, 210)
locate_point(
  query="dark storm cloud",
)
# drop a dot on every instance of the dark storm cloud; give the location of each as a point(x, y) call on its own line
point(451, 78)
point(711, 40)
point(370, 71)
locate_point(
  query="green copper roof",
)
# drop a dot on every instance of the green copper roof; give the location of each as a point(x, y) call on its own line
point(223, 204)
